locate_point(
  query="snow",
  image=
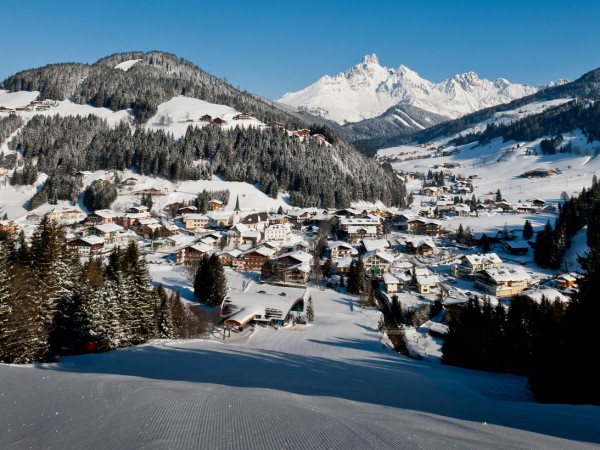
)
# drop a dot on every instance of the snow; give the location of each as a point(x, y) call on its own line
point(181, 112)
point(368, 89)
point(330, 384)
point(17, 99)
point(126, 65)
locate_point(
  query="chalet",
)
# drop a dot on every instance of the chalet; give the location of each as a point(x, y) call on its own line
point(87, 245)
point(566, 280)
point(298, 273)
point(278, 219)
point(149, 227)
point(304, 133)
point(377, 262)
point(469, 264)
point(110, 232)
point(299, 217)
point(358, 233)
point(240, 309)
point(192, 254)
point(132, 219)
point(215, 205)
point(517, 247)
point(537, 202)
point(422, 246)
point(231, 258)
point(391, 283)
point(131, 181)
point(292, 258)
point(425, 227)
point(432, 191)
point(206, 118)
point(191, 209)
point(136, 209)
point(254, 259)
point(243, 116)
point(276, 232)
point(525, 208)
point(425, 281)
point(318, 138)
point(219, 121)
point(9, 226)
point(193, 221)
point(154, 191)
point(502, 281)
point(339, 249)
point(504, 206)
point(275, 125)
point(102, 216)
point(342, 265)
point(34, 217)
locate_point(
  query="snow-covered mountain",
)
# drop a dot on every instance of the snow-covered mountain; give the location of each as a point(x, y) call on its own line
point(368, 90)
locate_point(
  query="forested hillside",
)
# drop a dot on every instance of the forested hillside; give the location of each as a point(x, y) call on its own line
point(314, 175)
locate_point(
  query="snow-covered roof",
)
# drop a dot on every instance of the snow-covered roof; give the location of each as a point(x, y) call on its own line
point(486, 258)
point(375, 244)
point(507, 273)
point(109, 227)
point(356, 229)
point(106, 213)
point(390, 279)
point(550, 294)
point(383, 255)
point(92, 240)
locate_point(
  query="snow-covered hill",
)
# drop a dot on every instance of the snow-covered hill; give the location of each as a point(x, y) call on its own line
point(368, 89)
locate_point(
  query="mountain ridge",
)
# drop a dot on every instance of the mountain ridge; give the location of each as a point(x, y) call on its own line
point(367, 90)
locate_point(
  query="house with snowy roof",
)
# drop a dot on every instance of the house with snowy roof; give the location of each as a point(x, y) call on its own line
point(240, 309)
point(340, 249)
point(391, 283)
point(191, 255)
point(420, 245)
point(502, 281)
point(377, 262)
point(469, 264)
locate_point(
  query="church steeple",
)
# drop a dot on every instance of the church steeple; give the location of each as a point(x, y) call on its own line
point(237, 213)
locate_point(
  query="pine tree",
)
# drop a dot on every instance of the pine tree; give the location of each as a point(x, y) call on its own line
point(164, 320)
point(527, 230)
point(397, 309)
point(210, 284)
point(328, 268)
point(310, 311)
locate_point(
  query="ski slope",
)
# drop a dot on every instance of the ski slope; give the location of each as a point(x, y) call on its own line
point(331, 384)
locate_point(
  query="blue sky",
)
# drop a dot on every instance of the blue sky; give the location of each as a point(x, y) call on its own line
point(271, 47)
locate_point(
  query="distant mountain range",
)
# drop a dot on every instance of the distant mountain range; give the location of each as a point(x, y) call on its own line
point(371, 100)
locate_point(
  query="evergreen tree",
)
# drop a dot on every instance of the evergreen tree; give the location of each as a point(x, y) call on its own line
point(527, 230)
point(328, 268)
point(498, 196)
point(397, 309)
point(210, 284)
point(356, 276)
point(310, 311)
point(164, 320)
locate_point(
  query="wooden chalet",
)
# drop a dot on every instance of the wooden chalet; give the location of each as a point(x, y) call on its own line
point(206, 118)
point(192, 254)
point(219, 121)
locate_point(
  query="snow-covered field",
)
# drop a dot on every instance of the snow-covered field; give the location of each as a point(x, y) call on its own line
point(332, 384)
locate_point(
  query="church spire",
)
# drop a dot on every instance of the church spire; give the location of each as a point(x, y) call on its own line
point(237, 203)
